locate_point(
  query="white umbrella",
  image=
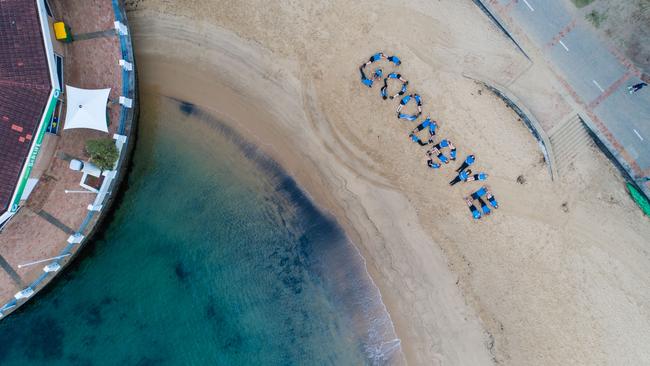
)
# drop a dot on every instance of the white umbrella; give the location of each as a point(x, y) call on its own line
point(86, 108)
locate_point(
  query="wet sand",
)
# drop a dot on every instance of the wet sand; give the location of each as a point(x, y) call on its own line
point(537, 283)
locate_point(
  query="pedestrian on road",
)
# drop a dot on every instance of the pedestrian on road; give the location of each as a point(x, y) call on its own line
point(636, 87)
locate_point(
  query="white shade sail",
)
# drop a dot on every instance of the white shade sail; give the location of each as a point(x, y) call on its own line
point(86, 108)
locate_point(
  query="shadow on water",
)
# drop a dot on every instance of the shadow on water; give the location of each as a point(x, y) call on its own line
point(324, 249)
point(186, 107)
point(267, 279)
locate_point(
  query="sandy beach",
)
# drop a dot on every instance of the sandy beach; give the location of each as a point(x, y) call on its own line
point(557, 276)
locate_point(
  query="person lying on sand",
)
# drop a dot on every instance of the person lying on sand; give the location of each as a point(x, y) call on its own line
point(364, 80)
point(484, 206)
point(452, 150)
point(384, 89)
point(462, 176)
point(477, 177)
point(479, 193)
point(375, 76)
point(416, 138)
point(435, 151)
point(431, 163)
point(378, 72)
point(491, 199)
point(476, 214)
point(374, 58)
point(443, 144)
point(395, 60)
point(469, 160)
point(427, 123)
point(430, 125)
point(405, 100)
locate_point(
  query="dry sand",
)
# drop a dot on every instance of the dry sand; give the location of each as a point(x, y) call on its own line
point(537, 283)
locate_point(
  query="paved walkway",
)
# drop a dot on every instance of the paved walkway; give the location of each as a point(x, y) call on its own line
point(593, 74)
point(91, 35)
point(47, 224)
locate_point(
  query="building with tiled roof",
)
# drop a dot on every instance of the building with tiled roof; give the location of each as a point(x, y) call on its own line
point(29, 89)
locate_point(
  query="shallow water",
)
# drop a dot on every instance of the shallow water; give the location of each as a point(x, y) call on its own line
point(213, 256)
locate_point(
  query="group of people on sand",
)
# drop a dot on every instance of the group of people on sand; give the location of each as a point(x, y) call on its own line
point(436, 156)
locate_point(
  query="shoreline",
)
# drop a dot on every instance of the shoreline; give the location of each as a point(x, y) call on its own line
point(374, 327)
point(470, 348)
point(525, 286)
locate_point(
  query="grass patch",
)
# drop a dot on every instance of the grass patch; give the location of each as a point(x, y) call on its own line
point(596, 18)
point(581, 3)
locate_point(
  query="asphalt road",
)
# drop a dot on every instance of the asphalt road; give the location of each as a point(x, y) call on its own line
point(598, 75)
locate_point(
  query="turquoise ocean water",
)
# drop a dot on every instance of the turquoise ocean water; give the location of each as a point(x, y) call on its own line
point(213, 256)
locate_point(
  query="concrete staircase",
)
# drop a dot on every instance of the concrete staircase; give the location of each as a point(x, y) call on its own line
point(569, 140)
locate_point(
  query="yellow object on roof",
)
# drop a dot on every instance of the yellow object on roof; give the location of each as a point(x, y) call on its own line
point(61, 31)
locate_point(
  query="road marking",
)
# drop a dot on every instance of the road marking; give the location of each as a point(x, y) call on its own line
point(598, 86)
point(563, 45)
point(561, 34)
point(637, 134)
point(528, 5)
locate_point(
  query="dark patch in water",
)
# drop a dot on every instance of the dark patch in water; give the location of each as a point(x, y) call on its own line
point(108, 300)
point(210, 311)
point(181, 271)
point(44, 340)
point(293, 283)
point(233, 343)
point(149, 361)
point(320, 229)
point(186, 107)
point(93, 315)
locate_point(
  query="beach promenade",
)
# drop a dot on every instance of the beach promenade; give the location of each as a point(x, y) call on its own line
point(60, 216)
point(590, 75)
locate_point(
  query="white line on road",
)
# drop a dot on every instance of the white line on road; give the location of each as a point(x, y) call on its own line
point(637, 134)
point(528, 5)
point(563, 45)
point(598, 86)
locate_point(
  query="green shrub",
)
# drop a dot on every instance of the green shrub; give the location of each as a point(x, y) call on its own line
point(596, 18)
point(103, 153)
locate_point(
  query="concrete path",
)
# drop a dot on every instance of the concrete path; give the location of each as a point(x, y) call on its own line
point(92, 35)
point(595, 74)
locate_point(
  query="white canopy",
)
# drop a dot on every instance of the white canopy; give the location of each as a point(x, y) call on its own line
point(86, 108)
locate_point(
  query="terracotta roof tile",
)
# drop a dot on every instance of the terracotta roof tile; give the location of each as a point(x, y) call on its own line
point(24, 88)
